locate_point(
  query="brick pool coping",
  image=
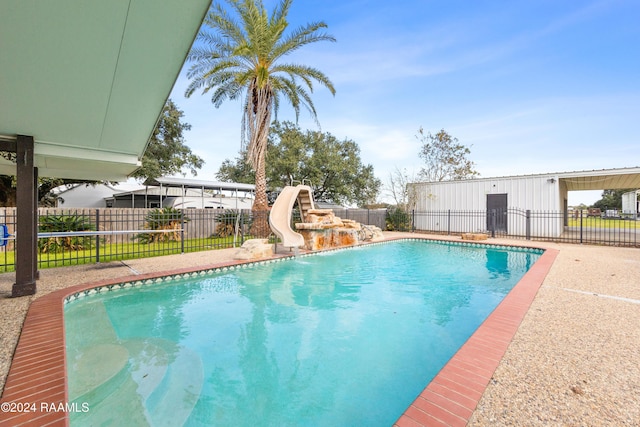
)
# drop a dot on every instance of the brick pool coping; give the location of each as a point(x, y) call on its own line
point(35, 393)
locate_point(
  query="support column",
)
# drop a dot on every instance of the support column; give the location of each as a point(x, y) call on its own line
point(26, 219)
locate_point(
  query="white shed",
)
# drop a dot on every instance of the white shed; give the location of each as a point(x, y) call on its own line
point(631, 204)
point(513, 195)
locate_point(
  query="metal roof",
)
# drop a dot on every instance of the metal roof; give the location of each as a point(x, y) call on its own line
point(603, 179)
point(166, 192)
point(88, 79)
point(197, 183)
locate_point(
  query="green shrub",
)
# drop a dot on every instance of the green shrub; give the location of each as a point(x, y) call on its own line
point(398, 219)
point(226, 222)
point(169, 220)
point(62, 223)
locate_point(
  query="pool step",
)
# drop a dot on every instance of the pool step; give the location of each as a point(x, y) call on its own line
point(175, 397)
point(155, 381)
point(119, 406)
point(101, 381)
point(96, 371)
point(147, 364)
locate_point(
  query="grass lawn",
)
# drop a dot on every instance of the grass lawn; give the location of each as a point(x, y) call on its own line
point(597, 222)
point(120, 251)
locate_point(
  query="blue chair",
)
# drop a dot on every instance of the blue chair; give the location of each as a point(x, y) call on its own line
point(4, 235)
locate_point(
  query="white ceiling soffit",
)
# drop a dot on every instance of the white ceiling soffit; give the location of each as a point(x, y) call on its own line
point(88, 78)
point(607, 179)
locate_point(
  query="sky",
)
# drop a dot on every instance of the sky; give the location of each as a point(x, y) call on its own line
point(528, 86)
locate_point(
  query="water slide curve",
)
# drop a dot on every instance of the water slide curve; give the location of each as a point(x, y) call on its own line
point(281, 213)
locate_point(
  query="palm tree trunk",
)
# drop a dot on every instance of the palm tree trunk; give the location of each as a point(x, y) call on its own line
point(260, 202)
point(259, 121)
point(260, 210)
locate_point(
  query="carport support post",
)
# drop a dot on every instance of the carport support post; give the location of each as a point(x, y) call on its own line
point(26, 219)
point(580, 226)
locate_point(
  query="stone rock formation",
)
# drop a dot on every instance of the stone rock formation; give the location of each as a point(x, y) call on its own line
point(474, 236)
point(254, 249)
point(324, 230)
point(372, 233)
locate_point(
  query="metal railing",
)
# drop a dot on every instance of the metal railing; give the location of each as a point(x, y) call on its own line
point(79, 236)
point(557, 226)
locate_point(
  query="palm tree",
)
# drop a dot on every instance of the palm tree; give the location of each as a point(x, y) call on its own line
point(242, 55)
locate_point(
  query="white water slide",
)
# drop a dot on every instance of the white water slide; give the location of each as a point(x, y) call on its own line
point(281, 213)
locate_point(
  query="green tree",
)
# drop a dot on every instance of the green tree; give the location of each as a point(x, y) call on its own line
point(46, 198)
point(611, 199)
point(333, 167)
point(236, 171)
point(166, 152)
point(445, 158)
point(243, 55)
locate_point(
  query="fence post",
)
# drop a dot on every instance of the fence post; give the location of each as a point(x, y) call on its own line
point(528, 225)
point(413, 220)
point(182, 232)
point(448, 222)
point(493, 223)
point(242, 226)
point(97, 236)
point(580, 226)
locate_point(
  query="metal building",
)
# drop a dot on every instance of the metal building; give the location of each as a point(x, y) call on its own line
point(541, 193)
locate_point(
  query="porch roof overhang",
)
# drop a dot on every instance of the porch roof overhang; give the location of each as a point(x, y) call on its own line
point(88, 79)
point(606, 179)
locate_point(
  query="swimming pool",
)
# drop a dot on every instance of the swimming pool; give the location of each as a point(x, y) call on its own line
point(343, 338)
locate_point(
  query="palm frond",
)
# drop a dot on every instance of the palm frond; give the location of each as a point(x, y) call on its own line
point(237, 56)
point(221, 22)
point(281, 11)
point(307, 74)
point(300, 37)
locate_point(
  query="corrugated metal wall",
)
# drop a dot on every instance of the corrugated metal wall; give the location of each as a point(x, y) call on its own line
point(532, 192)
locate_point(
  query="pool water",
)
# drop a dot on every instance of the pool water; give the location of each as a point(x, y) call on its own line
point(345, 338)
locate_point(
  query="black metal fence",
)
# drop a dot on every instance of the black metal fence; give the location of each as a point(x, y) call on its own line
point(79, 236)
point(570, 227)
point(375, 217)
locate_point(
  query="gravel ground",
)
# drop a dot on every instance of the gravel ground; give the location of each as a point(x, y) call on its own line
point(573, 361)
